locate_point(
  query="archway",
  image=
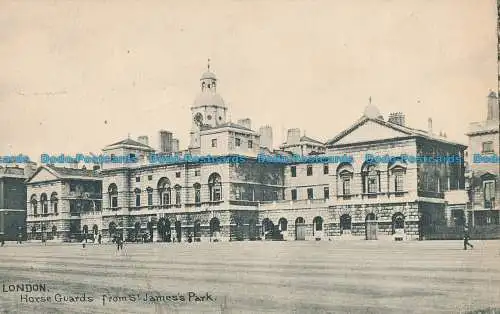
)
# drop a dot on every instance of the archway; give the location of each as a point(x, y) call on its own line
point(54, 232)
point(150, 231)
point(345, 224)
point(398, 223)
point(214, 227)
point(300, 229)
point(112, 229)
point(197, 231)
point(164, 230)
point(95, 229)
point(137, 231)
point(267, 228)
point(282, 227)
point(252, 230)
point(178, 230)
point(371, 227)
point(317, 226)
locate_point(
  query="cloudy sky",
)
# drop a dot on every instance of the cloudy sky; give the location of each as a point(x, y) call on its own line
point(77, 75)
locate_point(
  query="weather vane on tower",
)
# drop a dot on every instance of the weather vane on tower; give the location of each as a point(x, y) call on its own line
point(208, 65)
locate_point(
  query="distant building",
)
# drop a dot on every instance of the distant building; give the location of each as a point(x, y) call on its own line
point(484, 185)
point(13, 201)
point(58, 200)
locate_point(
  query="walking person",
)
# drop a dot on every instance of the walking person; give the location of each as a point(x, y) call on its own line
point(99, 238)
point(466, 241)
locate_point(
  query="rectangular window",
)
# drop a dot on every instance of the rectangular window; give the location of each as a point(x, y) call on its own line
point(178, 174)
point(326, 192)
point(310, 194)
point(325, 169)
point(114, 201)
point(398, 183)
point(72, 187)
point(293, 170)
point(250, 144)
point(137, 179)
point(237, 142)
point(309, 170)
point(372, 184)
point(177, 197)
point(294, 195)
point(150, 199)
point(197, 198)
point(197, 173)
point(489, 193)
point(488, 147)
point(214, 142)
point(137, 200)
point(150, 177)
point(346, 186)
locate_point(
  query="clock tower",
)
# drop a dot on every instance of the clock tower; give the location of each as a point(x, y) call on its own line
point(208, 109)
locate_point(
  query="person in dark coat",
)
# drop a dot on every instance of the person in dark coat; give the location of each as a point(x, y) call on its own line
point(466, 241)
point(99, 238)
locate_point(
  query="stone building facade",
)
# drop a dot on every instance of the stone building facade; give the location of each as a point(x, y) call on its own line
point(60, 202)
point(483, 151)
point(219, 189)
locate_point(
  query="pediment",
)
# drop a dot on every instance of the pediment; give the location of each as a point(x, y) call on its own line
point(369, 131)
point(43, 175)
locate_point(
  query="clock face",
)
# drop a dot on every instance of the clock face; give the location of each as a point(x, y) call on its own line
point(198, 119)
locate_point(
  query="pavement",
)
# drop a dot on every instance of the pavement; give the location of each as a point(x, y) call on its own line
point(253, 277)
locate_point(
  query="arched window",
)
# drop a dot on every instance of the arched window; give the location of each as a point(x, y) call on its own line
point(95, 229)
point(113, 195)
point(215, 187)
point(318, 224)
point(137, 193)
point(197, 192)
point(282, 224)
point(44, 203)
point(34, 204)
point(54, 231)
point(53, 202)
point(177, 194)
point(150, 195)
point(345, 222)
point(164, 191)
point(345, 174)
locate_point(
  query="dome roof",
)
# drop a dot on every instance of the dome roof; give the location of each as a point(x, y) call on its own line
point(372, 112)
point(208, 75)
point(208, 98)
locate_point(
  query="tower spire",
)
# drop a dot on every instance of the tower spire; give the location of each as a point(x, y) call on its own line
point(208, 65)
point(370, 100)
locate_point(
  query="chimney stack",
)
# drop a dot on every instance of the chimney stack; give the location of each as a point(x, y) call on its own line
point(429, 123)
point(143, 139)
point(397, 118)
point(165, 141)
point(175, 145)
point(492, 107)
point(266, 136)
point(293, 136)
point(247, 123)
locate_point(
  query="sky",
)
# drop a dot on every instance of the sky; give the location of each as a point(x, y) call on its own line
point(78, 75)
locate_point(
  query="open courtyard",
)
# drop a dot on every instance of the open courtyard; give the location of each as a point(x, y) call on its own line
point(252, 277)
